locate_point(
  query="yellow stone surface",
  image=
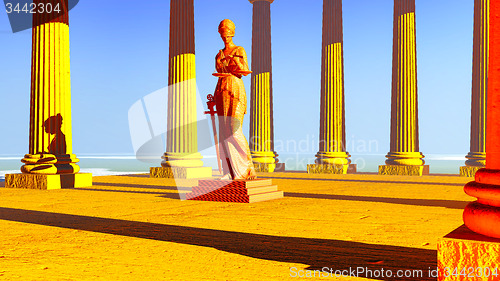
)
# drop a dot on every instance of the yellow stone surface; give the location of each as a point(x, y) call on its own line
point(40, 181)
point(403, 170)
point(264, 167)
point(331, 169)
point(180, 172)
point(467, 171)
point(134, 228)
point(463, 249)
point(269, 167)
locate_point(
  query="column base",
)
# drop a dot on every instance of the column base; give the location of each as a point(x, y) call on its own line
point(180, 172)
point(333, 158)
point(187, 160)
point(404, 158)
point(48, 182)
point(469, 171)
point(50, 164)
point(331, 169)
point(269, 167)
point(264, 157)
point(476, 159)
point(468, 252)
point(403, 170)
point(483, 216)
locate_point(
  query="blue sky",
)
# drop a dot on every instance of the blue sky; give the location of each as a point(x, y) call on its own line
point(119, 53)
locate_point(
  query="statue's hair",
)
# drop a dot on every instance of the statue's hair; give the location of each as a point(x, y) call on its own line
point(227, 27)
point(55, 121)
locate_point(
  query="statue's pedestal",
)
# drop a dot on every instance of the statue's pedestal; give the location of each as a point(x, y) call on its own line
point(463, 254)
point(242, 191)
point(403, 170)
point(38, 181)
point(331, 169)
point(268, 167)
point(469, 171)
point(180, 172)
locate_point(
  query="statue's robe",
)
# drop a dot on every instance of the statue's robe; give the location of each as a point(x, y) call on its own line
point(231, 105)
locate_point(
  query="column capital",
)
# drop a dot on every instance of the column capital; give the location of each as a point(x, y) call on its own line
point(253, 1)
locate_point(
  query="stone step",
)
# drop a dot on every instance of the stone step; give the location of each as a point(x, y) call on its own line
point(244, 191)
point(200, 190)
point(265, 196)
point(241, 198)
point(235, 183)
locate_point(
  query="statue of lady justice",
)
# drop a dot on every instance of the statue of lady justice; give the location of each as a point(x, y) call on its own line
point(231, 104)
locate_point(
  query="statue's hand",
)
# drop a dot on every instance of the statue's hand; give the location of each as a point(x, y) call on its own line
point(226, 60)
point(219, 62)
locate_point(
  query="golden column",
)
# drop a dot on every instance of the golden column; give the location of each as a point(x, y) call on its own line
point(332, 157)
point(261, 97)
point(404, 158)
point(476, 158)
point(50, 163)
point(181, 159)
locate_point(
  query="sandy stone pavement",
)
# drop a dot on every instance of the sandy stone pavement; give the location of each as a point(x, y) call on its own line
point(135, 228)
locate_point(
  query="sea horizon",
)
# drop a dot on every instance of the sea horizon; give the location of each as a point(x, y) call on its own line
point(121, 164)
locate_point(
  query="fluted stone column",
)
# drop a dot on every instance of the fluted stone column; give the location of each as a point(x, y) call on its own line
point(469, 246)
point(483, 215)
point(404, 157)
point(261, 97)
point(332, 156)
point(50, 163)
point(476, 158)
point(182, 159)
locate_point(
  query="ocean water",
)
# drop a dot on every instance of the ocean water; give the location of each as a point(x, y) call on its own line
point(100, 165)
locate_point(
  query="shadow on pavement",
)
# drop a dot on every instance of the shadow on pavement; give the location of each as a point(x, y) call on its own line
point(316, 253)
point(452, 204)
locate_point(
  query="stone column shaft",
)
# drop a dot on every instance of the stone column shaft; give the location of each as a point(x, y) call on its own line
point(261, 104)
point(476, 158)
point(50, 163)
point(404, 100)
point(50, 137)
point(332, 146)
point(332, 120)
point(181, 159)
point(493, 97)
point(404, 108)
point(182, 142)
point(483, 215)
point(479, 78)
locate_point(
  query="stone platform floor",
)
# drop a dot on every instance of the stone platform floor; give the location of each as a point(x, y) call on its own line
point(135, 228)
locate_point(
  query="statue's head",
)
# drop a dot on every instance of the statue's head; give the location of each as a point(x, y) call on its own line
point(226, 28)
point(53, 124)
